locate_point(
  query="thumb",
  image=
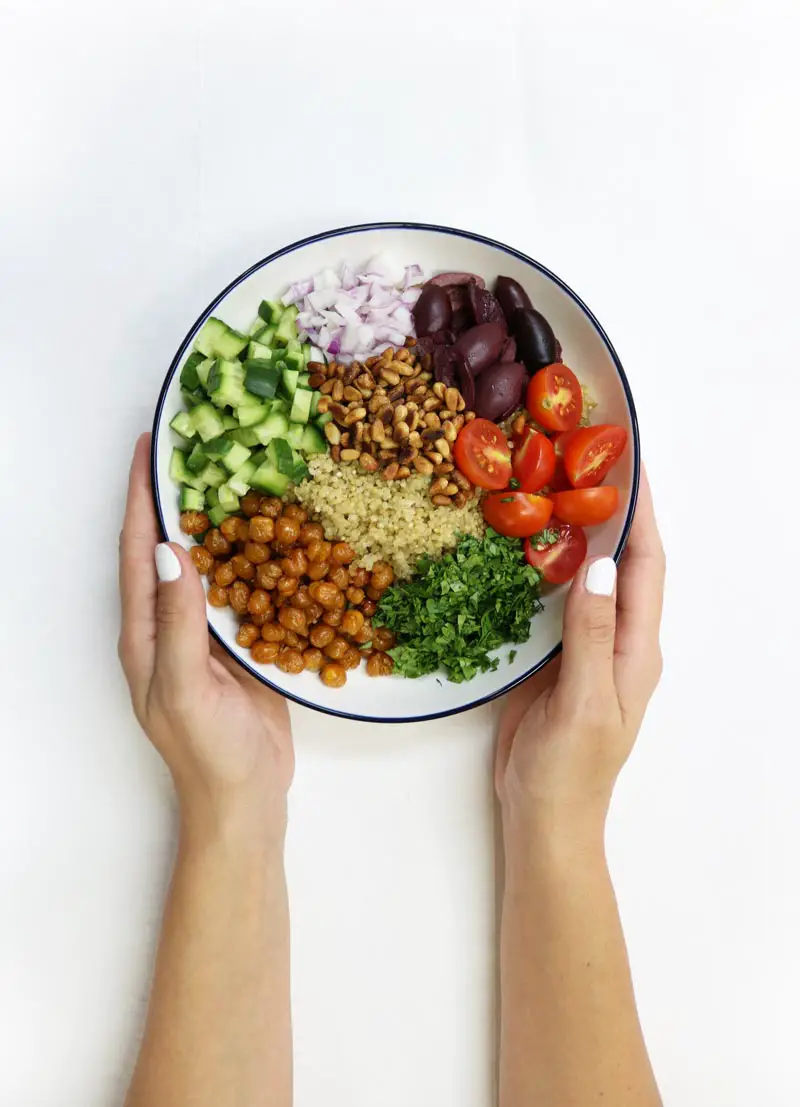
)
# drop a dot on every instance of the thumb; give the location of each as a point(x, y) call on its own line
point(181, 627)
point(590, 622)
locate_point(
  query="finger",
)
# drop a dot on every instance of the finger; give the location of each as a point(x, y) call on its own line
point(587, 658)
point(640, 597)
point(137, 573)
point(181, 626)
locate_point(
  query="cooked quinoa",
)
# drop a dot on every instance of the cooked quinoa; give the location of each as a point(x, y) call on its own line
point(382, 520)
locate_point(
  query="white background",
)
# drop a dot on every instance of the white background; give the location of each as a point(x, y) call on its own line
point(648, 154)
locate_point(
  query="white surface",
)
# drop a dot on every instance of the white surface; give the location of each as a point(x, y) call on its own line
point(645, 152)
point(584, 348)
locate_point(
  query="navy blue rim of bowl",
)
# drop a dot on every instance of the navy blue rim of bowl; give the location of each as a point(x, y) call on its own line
point(359, 228)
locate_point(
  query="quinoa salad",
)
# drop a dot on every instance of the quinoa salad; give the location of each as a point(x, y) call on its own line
point(388, 469)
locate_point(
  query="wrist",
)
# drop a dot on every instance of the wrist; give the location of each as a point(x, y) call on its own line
point(553, 835)
point(242, 822)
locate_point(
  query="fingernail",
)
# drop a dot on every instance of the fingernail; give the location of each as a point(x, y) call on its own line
point(601, 576)
point(167, 565)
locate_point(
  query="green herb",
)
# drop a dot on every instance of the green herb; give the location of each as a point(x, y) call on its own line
point(511, 655)
point(546, 537)
point(507, 500)
point(458, 609)
point(513, 483)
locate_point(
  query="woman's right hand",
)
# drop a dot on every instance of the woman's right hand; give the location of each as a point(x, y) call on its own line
point(566, 733)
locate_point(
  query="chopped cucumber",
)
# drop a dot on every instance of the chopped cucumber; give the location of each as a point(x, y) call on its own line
point(256, 326)
point(281, 455)
point(259, 349)
point(217, 339)
point(313, 441)
point(287, 329)
point(303, 379)
point(182, 425)
point(192, 399)
point(218, 515)
point(203, 370)
point(289, 382)
point(300, 470)
point(235, 458)
point(265, 336)
point(217, 448)
point(228, 500)
point(274, 426)
point(206, 421)
point(212, 475)
point(262, 378)
point(322, 419)
point(246, 435)
point(189, 378)
point(229, 391)
point(239, 483)
point(191, 499)
point(294, 435)
point(270, 311)
point(251, 414)
point(230, 422)
point(181, 475)
point(307, 350)
point(301, 406)
point(267, 479)
point(197, 459)
point(212, 497)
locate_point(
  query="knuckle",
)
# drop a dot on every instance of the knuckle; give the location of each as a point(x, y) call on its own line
point(598, 628)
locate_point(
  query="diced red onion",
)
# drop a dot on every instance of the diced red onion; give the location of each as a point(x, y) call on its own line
point(296, 292)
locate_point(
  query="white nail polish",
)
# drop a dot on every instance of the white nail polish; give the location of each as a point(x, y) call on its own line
point(601, 576)
point(167, 565)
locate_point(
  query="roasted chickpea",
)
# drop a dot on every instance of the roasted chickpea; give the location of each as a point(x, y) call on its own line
point(296, 641)
point(374, 593)
point(262, 529)
point(287, 586)
point(325, 593)
point(314, 612)
point(201, 559)
point(268, 575)
point(317, 570)
point(259, 602)
point(302, 598)
point(343, 553)
point(216, 543)
point(369, 607)
point(264, 652)
point(361, 637)
point(382, 576)
point(295, 511)
point(293, 619)
point(339, 576)
point(217, 596)
point(313, 659)
point(230, 527)
point(333, 675)
point(262, 620)
point(309, 532)
point(290, 661)
point(194, 522)
point(383, 638)
point(295, 564)
point(286, 530)
point(270, 507)
point(242, 530)
point(352, 622)
point(359, 576)
point(273, 632)
point(319, 550)
point(244, 569)
point(250, 503)
point(355, 595)
point(320, 636)
point(224, 574)
point(256, 552)
point(238, 596)
point(212, 570)
point(341, 601)
point(332, 618)
point(352, 659)
point(379, 664)
point(336, 649)
point(247, 634)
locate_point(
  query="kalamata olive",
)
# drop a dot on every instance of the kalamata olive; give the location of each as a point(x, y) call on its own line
point(445, 279)
point(511, 296)
point(499, 390)
point(509, 351)
point(485, 307)
point(536, 342)
point(432, 311)
point(481, 346)
point(466, 381)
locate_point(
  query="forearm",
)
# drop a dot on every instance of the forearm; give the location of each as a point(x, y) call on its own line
point(218, 1031)
point(570, 1030)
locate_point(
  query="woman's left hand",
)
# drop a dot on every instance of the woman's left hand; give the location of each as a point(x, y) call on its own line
point(226, 739)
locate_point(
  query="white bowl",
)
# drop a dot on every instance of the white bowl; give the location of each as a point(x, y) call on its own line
point(587, 351)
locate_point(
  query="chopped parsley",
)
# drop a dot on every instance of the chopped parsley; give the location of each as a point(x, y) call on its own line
point(456, 610)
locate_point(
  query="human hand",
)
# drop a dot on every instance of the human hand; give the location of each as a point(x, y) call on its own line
point(226, 738)
point(566, 733)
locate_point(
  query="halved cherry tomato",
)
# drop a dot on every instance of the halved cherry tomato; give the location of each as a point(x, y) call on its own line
point(534, 460)
point(483, 455)
point(586, 507)
point(559, 482)
point(554, 398)
point(591, 452)
point(558, 561)
point(516, 514)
